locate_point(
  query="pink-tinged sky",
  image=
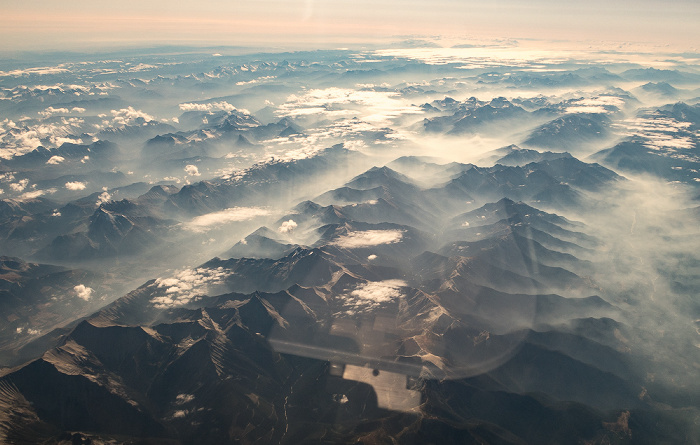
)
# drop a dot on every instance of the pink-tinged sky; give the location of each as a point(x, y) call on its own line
point(49, 24)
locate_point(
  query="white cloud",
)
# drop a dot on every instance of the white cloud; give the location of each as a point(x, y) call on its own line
point(52, 111)
point(36, 193)
point(379, 291)
point(211, 106)
point(233, 214)
point(374, 106)
point(54, 160)
point(663, 134)
point(372, 294)
point(478, 57)
point(258, 80)
point(75, 185)
point(104, 197)
point(602, 100)
point(287, 226)
point(19, 185)
point(372, 257)
point(588, 109)
point(598, 104)
point(368, 238)
point(30, 134)
point(128, 116)
point(36, 70)
point(192, 170)
point(83, 292)
point(186, 285)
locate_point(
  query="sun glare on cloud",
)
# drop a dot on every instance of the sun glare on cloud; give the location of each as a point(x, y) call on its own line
point(368, 238)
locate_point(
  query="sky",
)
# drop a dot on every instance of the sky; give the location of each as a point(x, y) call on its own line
point(48, 24)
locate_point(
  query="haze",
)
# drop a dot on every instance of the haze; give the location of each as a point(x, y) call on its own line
point(43, 24)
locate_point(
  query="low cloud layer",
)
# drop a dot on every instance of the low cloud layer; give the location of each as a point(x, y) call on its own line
point(368, 238)
point(370, 295)
point(233, 214)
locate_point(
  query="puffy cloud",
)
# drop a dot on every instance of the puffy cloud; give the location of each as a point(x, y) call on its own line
point(54, 160)
point(287, 226)
point(75, 185)
point(211, 106)
point(52, 111)
point(18, 139)
point(186, 286)
point(129, 116)
point(19, 185)
point(379, 291)
point(372, 257)
point(233, 214)
point(83, 292)
point(104, 197)
point(370, 295)
point(192, 170)
point(368, 238)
